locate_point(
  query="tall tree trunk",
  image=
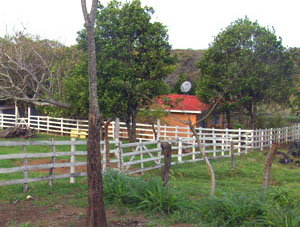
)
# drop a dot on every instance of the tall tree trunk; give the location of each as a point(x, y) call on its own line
point(209, 166)
point(253, 115)
point(96, 212)
point(267, 169)
point(131, 127)
point(228, 119)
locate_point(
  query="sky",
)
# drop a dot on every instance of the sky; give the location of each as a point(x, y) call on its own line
point(191, 23)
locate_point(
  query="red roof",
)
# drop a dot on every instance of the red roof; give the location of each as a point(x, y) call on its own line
point(184, 103)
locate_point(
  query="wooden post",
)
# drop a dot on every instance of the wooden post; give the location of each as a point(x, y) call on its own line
point(158, 130)
point(165, 132)
point(142, 155)
point(117, 129)
point(16, 113)
point(214, 141)
point(47, 124)
point(1, 121)
point(25, 172)
point(119, 149)
point(51, 171)
point(176, 132)
point(271, 138)
point(262, 139)
point(194, 148)
point(62, 126)
point(179, 150)
point(38, 123)
point(167, 150)
point(28, 116)
point(240, 141)
point(73, 160)
point(158, 141)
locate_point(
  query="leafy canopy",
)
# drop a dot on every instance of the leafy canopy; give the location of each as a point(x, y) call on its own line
point(245, 65)
point(133, 56)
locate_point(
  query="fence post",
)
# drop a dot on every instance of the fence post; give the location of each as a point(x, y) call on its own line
point(117, 129)
point(62, 126)
point(240, 141)
point(271, 137)
point(176, 132)
point(179, 150)
point(73, 160)
point(38, 123)
point(25, 172)
point(103, 152)
point(16, 113)
point(51, 171)
point(194, 148)
point(165, 132)
point(142, 155)
point(1, 121)
point(28, 116)
point(47, 124)
point(158, 142)
point(262, 139)
point(158, 130)
point(287, 135)
point(214, 140)
point(223, 142)
point(119, 149)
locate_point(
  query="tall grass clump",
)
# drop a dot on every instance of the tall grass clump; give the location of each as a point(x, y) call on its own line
point(231, 209)
point(145, 194)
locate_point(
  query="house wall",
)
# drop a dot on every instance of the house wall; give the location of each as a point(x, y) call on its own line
point(178, 119)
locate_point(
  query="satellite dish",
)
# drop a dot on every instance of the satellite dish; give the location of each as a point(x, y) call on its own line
point(186, 86)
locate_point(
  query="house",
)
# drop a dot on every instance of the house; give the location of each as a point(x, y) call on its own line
point(6, 108)
point(184, 107)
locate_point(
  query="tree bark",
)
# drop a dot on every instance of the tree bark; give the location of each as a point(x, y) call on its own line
point(96, 212)
point(209, 166)
point(267, 169)
point(131, 127)
point(228, 119)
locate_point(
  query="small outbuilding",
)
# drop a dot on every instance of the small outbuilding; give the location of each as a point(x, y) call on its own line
point(183, 107)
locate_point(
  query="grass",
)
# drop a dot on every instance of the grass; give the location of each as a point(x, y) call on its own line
point(238, 201)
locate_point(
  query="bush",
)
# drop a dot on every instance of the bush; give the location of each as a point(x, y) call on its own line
point(146, 194)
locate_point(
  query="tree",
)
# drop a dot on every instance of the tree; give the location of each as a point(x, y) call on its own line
point(133, 57)
point(25, 70)
point(96, 213)
point(246, 65)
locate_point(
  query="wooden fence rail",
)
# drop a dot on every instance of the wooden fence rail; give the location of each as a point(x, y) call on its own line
point(137, 157)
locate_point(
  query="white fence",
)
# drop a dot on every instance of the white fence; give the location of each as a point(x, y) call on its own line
point(134, 157)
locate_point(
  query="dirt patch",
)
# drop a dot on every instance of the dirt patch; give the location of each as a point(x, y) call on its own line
point(58, 215)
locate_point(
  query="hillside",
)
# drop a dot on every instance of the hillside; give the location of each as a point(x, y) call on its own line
point(186, 64)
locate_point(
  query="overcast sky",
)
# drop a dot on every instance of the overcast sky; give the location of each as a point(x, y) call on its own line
point(191, 23)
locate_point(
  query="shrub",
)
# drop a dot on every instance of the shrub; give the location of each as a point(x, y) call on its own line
point(146, 194)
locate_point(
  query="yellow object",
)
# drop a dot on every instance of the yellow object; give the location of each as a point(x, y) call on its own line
point(78, 134)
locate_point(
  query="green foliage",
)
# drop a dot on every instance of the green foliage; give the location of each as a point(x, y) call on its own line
point(73, 87)
point(133, 56)
point(145, 194)
point(246, 65)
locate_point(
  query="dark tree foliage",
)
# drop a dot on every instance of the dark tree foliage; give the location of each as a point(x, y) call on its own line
point(246, 65)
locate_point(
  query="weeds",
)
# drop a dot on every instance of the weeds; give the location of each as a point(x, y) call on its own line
point(145, 194)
